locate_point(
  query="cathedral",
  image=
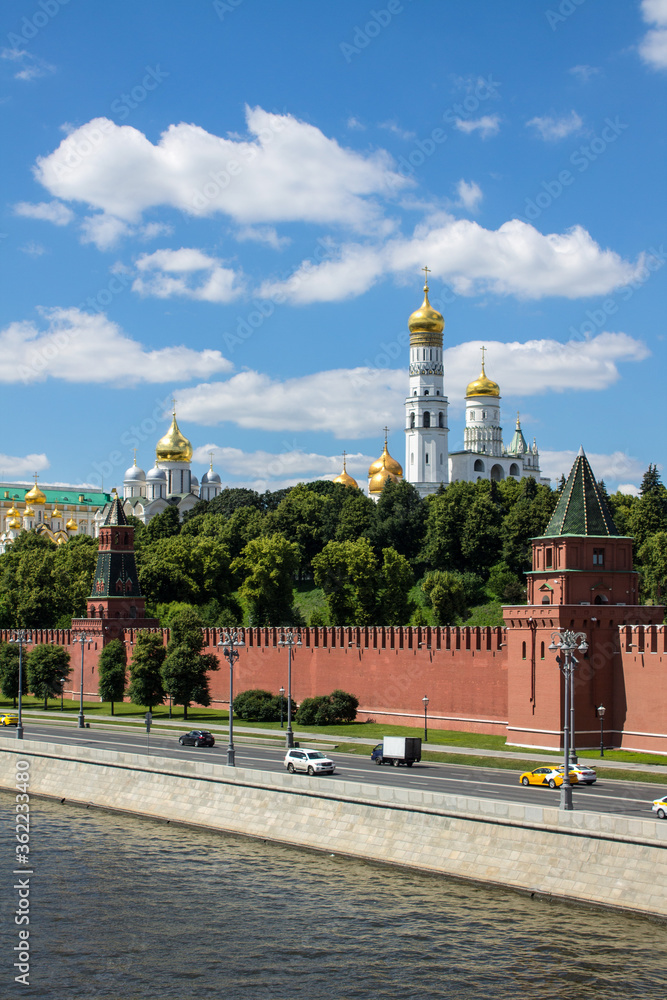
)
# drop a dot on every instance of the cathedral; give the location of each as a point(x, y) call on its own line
point(169, 483)
point(428, 462)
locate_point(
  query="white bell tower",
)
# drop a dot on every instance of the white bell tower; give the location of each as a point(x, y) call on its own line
point(426, 431)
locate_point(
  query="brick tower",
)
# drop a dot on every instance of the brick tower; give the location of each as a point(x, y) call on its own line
point(582, 579)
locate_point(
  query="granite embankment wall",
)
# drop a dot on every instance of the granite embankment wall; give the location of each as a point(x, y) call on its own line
point(589, 857)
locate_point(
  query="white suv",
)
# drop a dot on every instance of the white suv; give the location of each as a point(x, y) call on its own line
point(310, 761)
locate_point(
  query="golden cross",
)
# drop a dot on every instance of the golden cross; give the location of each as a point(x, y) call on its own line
point(173, 405)
point(36, 477)
point(211, 453)
point(386, 431)
point(344, 454)
point(427, 271)
point(135, 455)
point(482, 349)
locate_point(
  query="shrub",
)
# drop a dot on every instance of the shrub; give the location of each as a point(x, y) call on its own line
point(256, 705)
point(327, 709)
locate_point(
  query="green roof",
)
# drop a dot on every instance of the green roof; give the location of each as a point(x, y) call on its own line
point(91, 498)
point(581, 509)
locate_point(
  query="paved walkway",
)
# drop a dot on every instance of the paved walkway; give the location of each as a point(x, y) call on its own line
point(240, 732)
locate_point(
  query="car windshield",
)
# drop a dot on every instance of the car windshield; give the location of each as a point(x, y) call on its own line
point(315, 755)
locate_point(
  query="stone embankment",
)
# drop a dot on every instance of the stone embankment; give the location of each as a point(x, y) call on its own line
point(593, 858)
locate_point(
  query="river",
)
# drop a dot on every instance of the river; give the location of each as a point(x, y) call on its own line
point(132, 909)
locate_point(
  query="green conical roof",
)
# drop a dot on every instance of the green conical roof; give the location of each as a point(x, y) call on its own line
point(582, 509)
point(518, 444)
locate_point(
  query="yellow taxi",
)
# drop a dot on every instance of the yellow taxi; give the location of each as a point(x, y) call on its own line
point(550, 776)
point(11, 719)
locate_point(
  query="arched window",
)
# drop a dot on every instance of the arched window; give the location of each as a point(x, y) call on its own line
point(497, 473)
point(472, 414)
point(426, 392)
point(601, 599)
point(546, 599)
point(514, 469)
point(441, 419)
point(427, 419)
point(479, 465)
point(412, 420)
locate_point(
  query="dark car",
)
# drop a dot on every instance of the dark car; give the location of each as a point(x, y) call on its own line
point(197, 738)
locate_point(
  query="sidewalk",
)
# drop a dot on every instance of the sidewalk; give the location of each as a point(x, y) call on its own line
point(274, 735)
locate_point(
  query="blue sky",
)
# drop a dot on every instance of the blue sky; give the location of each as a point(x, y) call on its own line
point(230, 202)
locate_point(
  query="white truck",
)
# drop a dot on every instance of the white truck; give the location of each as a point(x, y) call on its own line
point(398, 750)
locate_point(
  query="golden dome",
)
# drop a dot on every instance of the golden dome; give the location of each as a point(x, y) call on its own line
point(483, 386)
point(72, 525)
point(378, 480)
point(173, 447)
point(28, 512)
point(56, 512)
point(14, 524)
point(345, 478)
point(35, 495)
point(426, 319)
point(385, 461)
point(13, 512)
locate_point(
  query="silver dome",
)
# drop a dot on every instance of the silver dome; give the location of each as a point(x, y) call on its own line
point(156, 473)
point(134, 474)
point(210, 477)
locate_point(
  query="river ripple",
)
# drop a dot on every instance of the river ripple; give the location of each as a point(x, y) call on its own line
point(131, 909)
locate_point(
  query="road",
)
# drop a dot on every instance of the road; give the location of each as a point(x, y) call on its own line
point(626, 798)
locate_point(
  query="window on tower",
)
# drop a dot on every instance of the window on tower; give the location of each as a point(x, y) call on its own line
point(412, 420)
point(441, 419)
point(426, 458)
point(427, 419)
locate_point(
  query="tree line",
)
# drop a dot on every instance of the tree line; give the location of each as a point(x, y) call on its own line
point(238, 559)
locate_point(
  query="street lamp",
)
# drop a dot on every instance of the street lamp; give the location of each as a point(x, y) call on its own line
point(62, 691)
point(282, 702)
point(230, 643)
point(601, 710)
point(21, 635)
point(82, 638)
point(289, 641)
point(567, 642)
point(425, 700)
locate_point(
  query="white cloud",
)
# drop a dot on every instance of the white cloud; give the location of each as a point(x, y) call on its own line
point(50, 211)
point(336, 401)
point(584, 72)
point(611, 468)
point(354, 124)
point(33, 249)
point(13, 467)
point(80, 347)
point(470, 195)
point(186, 272)
point(103, 230)
point(286, 170)
point(629, 489)
point(263, 234)
point(653, 46)
point(515, 259)
point(32, 67)
point(396, 129)
point(553, 129)
point(285, 467)
point(155, 229)
point(487, 125)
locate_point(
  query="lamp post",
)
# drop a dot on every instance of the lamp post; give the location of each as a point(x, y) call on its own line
point(567, 642)
point(425, 700)
point(62, 691)
point(601, 711)
point(20, 636)
point(289, 641)
point(82, 638)
point(282, 703)
point(230, 643)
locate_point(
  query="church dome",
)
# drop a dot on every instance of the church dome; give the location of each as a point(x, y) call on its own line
point(426, 319)
point(56, 512)
point(193, 482)
point(378, 480)
point(482, 386)
point(156, 473)
point(385, 461)
point(28, 511)
point(134, 474)
point(174, 446)
point(14, 524)
point(72, 525)
point(13, 512)
point(35, 496)
point(210, 477)
point(345, 479)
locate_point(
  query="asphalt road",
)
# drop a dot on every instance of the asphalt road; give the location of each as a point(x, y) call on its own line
point(626, 798)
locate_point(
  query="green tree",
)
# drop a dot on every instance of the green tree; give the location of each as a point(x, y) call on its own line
point(164, 525)
point(72, 577)
point(396, 607)
point(185, 668)
point(348, 574)
point(301, 516)
point(357, 516)
point(47, 665)
point(185, 567)
point(231, 499)
point(527, 519)
point(648, 514)
point(446, 593)
point(652, 558)
point(112, 672)
point(9, 670)
point(146, 686)
point(480, 537)
point(446, 516)
point(266, 567)
point(505, 585)
point(400, 519)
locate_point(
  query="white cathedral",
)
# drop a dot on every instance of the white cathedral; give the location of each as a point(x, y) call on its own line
point(428, 462)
